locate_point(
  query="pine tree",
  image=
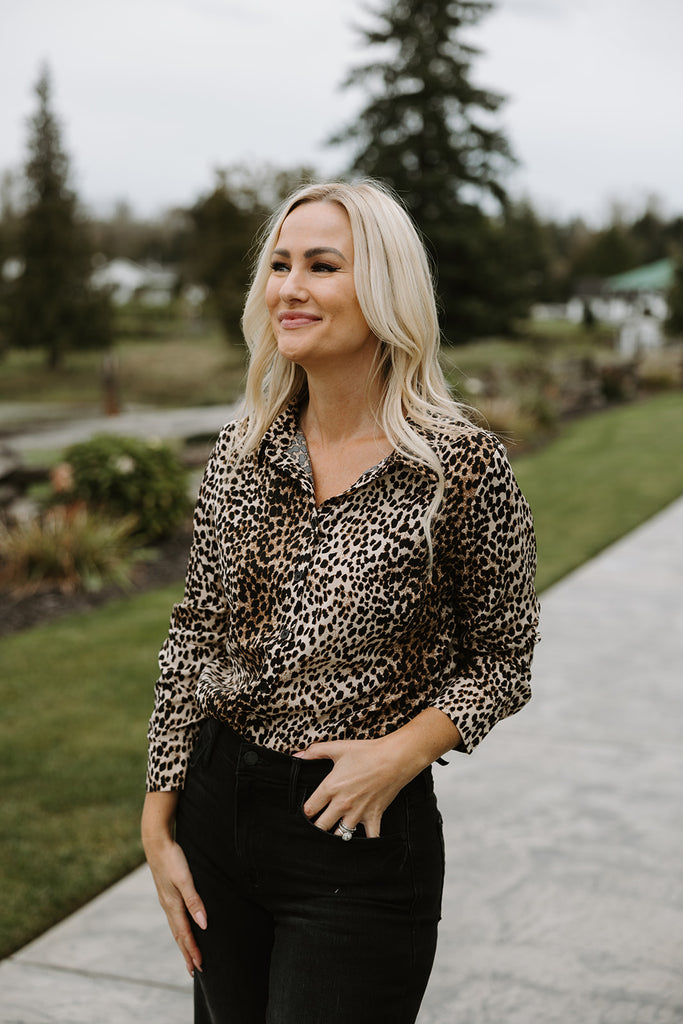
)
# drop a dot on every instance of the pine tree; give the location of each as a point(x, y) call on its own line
point(225, 224)
point(674, 321)
point(428, 131)
point(223, 232)
point(53, 306)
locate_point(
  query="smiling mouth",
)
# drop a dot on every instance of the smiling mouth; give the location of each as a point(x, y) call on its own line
point(292, 320)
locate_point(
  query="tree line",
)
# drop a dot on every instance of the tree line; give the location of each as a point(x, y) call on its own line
point(426, 129)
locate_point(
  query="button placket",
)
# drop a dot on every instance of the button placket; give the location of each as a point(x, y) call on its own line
point(310, 539)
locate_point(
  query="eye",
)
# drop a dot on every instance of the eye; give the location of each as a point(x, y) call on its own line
point(278, 267)
point(324, 268)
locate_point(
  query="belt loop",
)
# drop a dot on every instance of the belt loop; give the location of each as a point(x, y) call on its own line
point(213, 731)
point(293, 780)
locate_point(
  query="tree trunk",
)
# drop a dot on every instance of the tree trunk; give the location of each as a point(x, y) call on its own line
point(54, 357)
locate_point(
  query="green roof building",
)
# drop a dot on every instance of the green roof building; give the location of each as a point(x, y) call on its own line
point(653, 277)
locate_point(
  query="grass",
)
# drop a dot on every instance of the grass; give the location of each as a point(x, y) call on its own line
point(76, 695)
point(201, 368)
point(536, 343)
point(75, 698)
point(182, 370)
point(602, 477)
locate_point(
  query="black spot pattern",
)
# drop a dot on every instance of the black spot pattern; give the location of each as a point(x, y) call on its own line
point(301, 623)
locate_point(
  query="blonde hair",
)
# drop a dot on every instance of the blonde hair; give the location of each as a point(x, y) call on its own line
point(396, 296)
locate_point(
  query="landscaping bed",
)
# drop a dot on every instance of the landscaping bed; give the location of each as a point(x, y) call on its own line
point(23, 611)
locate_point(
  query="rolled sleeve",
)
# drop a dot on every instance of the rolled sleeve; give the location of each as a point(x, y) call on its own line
point(495, 608)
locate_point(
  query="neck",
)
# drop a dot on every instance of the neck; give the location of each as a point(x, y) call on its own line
point(339, 411)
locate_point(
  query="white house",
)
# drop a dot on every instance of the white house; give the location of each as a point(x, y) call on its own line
point(635, 302)
point(150, 284)
point(644, 290)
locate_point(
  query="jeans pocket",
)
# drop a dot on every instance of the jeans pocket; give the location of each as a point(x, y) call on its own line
point(392, 829)
point(204, 744)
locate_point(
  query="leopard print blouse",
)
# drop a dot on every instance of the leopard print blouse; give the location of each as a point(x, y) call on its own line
point(302, 623)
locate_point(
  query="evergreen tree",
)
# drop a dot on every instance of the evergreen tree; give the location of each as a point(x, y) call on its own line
point(674, 322)
point(225, 224)
point(53, 305)
point(648, 231)
point(9, 220)
point(611, 250)
point(673, 235)
point(223, 231)
point(427, 131)
point(163, 239)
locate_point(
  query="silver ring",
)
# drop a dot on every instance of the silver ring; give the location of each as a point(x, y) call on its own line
point(346, 832)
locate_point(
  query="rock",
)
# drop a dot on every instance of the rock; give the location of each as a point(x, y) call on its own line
point(10, 461)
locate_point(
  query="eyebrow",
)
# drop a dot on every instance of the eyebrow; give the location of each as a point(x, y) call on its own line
point(310, 253)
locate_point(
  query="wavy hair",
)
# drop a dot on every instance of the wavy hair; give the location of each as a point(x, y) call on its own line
point(396, 295)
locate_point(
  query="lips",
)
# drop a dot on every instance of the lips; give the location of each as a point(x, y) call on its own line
point(290, 319)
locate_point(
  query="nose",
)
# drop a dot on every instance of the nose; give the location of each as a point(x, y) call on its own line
point(293, 288)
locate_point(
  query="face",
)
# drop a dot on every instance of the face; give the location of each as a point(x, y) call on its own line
point(311, 295)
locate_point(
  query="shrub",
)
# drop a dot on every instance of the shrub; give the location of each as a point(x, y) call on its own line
point(124, 476)
point(67, 548)
point(662, 370)
point(618, 381)
point(507, 418)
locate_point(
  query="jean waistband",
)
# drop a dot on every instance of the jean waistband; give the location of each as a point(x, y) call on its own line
point(218, 738)
point(243, 752)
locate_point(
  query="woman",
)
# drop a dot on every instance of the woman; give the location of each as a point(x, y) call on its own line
point(359, 601)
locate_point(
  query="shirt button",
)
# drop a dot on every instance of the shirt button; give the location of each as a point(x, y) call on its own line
point(285, 634)
point(299, 575)
point(250, 757)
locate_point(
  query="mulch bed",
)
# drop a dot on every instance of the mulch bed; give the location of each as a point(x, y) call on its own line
point(24, 612)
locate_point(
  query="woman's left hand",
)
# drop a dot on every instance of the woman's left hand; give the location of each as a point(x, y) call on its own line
point(360, 787)
point(368, 774)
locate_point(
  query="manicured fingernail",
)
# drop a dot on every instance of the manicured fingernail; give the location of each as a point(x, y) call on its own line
point(200, 918)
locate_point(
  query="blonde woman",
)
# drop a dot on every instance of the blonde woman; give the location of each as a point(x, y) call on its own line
point(359, 601)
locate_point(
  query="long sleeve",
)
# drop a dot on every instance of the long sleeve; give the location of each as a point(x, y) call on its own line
point(195, 638)
point(495, 606)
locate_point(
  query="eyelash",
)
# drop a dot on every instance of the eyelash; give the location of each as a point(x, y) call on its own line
point(277, 266)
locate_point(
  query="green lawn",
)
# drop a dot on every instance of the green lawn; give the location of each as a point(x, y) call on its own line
point(76, 695)
point(180, 370)
point(602, 477)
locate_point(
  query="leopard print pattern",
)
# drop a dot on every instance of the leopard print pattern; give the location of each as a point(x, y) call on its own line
point(302, 623)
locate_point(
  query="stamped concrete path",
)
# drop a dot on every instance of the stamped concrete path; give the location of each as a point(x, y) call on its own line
point(564, 832)
point(24, 432)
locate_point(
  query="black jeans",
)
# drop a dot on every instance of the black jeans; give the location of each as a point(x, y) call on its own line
point(304, 928)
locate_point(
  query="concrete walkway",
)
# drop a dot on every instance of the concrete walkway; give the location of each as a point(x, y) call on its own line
point(564, 896)
point(163, 424)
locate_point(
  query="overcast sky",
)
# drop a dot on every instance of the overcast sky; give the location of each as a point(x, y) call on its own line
point(153, 95)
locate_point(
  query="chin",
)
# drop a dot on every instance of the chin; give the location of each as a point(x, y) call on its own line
point(292, 353)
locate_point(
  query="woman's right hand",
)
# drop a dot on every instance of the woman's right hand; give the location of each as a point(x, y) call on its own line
point(172, 877)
